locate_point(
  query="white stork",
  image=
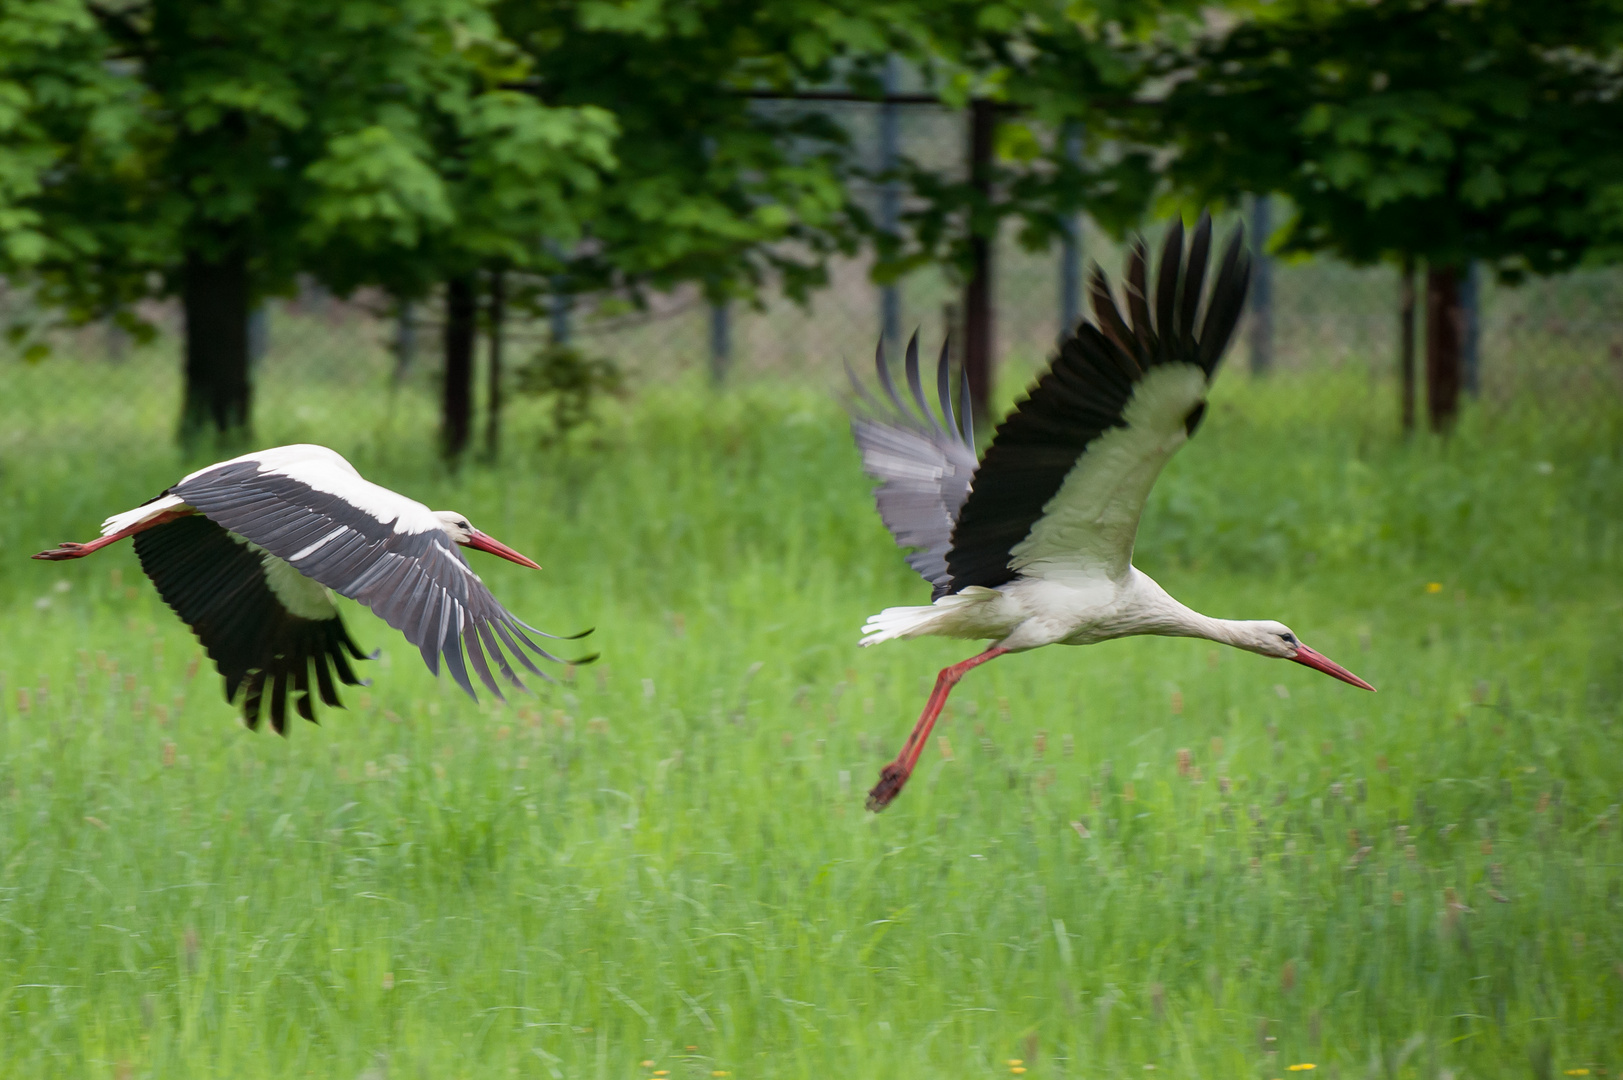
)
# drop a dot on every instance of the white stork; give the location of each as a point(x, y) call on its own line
point(1032, 545)
point(245, 552)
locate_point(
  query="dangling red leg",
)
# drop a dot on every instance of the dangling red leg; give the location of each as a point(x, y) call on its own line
point(70, 550)
point(894, 776)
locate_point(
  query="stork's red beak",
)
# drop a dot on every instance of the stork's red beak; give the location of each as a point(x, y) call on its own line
point(1320, 662)
point(477, 539)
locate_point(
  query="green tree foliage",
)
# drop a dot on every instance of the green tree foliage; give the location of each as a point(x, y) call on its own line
point(65, 110)
point(214, 151)
point(1062, 79)
point(1413, 130)
point(722, 181)
point(714, 185)
point(1424, 128)
point(708, 186)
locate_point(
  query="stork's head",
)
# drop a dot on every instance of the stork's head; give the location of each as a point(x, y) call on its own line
point(457, 528)
point(1276, 639)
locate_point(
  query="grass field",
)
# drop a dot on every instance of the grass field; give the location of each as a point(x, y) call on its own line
point(1147, 855)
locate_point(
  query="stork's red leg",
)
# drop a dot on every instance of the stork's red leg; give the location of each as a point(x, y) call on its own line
point(894, 776)
point(70, 550)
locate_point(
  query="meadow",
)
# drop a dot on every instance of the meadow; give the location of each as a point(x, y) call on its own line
point(1146, 857)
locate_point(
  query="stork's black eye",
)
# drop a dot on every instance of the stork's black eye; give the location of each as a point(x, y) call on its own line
point(1289, 638)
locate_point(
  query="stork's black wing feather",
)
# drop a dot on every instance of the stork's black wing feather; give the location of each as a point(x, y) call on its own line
point(413, 576)
point(1145, 375)
point(923, 463)
point(218, 586)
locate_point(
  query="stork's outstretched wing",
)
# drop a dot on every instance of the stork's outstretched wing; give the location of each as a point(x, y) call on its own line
point(923, 462)
point(256, 632)
point(308, 506)
point(1059, 492)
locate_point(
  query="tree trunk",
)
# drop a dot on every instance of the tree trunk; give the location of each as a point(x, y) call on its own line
point(496, 313)
point(1444, 338)
point(978, 330)
point(214, 293)
point(461, 327)
point(1406, 344)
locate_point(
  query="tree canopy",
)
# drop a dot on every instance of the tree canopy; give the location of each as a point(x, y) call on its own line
point(1424, 128)
point(214, 151)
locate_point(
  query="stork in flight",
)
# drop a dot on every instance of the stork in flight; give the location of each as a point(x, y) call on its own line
point(1032, 545)
point(245, 552)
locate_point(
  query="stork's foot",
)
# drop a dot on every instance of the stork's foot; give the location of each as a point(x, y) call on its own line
point(66, 550)
point(891, 781)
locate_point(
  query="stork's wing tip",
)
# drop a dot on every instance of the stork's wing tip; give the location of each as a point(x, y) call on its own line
point(590, 658)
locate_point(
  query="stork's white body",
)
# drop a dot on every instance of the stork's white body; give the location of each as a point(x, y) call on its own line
point(1029, 613)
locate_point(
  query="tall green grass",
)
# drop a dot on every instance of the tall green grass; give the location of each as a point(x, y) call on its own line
point(1150, 853)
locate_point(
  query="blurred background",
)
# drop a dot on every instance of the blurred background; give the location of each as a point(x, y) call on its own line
point(609, 197)
point(590, 271)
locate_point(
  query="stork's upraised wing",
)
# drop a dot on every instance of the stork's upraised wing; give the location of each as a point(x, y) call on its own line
point(1060, 490)
point(923, 462)
point(307, 506)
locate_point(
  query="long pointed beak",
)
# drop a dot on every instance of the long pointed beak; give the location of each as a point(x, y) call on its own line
point(1320, 662)
point(477, 539)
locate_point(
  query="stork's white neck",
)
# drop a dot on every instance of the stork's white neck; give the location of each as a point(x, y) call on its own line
point(1191, 623)
point(1162, 615)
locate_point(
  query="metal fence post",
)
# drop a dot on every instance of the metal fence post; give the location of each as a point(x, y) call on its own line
point(1470, 333)
point(558, 314)
point(118, 341)
point(405, 338)
point(890, 196)
point(258, 333)
point(1406, 380)
point(721, 343)
point(495, 318)
point(1070, 252)
point(1262, 286)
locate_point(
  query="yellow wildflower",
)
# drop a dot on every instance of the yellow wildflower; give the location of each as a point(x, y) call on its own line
point(1434, 586)
point(1303, 1067)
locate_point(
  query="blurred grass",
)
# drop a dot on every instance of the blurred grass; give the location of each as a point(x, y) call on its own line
point(666, 860)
